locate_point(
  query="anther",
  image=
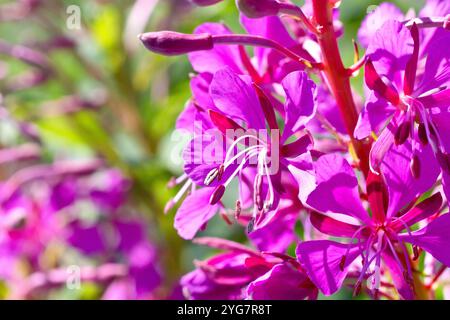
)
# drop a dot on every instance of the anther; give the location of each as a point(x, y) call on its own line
point(342, 263)
point(251, 225)
point(237, 213)
point(422, 133)
point(217, 194)
point(402, 133)
point(415, 167)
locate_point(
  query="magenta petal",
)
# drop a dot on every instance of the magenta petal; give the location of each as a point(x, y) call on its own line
point(332, 226)
point(437, 67)
point(295, 285)
point(389, 50)
point(301, 101)
point(322, 260)
point(423, 210)
point(278, 234)
point(434, 238)
point(194, 212)
point(219, 56)
point(237, 98)
point(337, 183)
point(441, 120)
point(402, 186)
point(398, 277)
point(374, 20)
point(375, 82)
point(200, 90)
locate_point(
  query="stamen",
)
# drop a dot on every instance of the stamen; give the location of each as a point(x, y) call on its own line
point(237, 213)
point(171, 203)
point(402, 133)
point(211, 176)
point(415, 166)
point(257, 190)
point(258, 41)
point(238, 140)
point(217, 194)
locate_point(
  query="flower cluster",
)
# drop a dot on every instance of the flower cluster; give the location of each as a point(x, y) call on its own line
point(66, 229)
point(64, 224)
point(366, 181)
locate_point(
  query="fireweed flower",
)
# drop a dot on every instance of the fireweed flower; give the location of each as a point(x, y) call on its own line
point(259, 163)
point(411, 94)
point(241, 272)
point(378, 239)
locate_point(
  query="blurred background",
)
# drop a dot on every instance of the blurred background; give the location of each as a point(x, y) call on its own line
point(89, 89)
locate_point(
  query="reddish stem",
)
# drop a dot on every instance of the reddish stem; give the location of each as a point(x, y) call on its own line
point(338, 77)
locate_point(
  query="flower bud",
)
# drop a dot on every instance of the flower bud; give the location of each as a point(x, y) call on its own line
point(205, 3)
point(258, 8)
point(171, 43)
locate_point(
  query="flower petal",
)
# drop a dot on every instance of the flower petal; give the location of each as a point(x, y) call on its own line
point(300, 103)
point(194, 212)
point(337, 183)
point(402, 186)
point(332, 227)
point(434, 238)
point(220, 56)
point(420, 212)
point(296, 285)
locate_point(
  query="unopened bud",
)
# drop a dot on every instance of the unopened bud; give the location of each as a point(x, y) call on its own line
point(205, 3)
point(258, 8)
point(416, 253)
point(251, 225)
point(257, 189)
point(211, 176)
point(171, 43)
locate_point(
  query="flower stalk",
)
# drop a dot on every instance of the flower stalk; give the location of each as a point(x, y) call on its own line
point(338, 78)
